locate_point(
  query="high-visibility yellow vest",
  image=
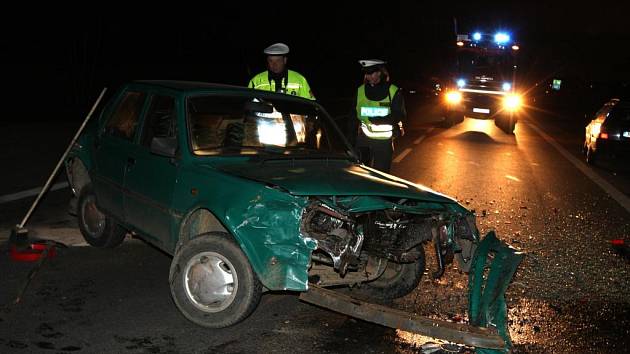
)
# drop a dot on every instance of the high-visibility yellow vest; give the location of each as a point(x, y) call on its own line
point(369, 112)
point(295, 84)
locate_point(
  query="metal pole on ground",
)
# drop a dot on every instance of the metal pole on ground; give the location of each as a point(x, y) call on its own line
point(19, 235)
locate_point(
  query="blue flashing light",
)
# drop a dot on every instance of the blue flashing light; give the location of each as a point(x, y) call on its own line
point(477, 36)
point(506, 86)
point(501, 37)
point(461, 83)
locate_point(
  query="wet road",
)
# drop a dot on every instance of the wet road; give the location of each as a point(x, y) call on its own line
point(569, 295)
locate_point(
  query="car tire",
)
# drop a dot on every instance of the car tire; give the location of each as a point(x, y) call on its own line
point(510, 125)
point(452, 118)
point(498, 121)
point(446, 123)
point(98, 229)
point(212, 282)
point(398, 279)
point(459, 117)
point(506, 123)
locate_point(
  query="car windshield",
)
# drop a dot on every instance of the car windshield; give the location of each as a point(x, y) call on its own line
point(484, 63)
point(249, 126)
point(621, 114)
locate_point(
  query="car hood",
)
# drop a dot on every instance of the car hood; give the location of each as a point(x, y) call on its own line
point(329, 177)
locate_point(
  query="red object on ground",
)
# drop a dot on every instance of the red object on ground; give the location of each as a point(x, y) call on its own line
point(32, 253)
point(617, 242)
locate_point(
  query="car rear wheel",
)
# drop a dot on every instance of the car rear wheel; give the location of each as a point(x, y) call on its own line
point(98, 229)
point(212, 282)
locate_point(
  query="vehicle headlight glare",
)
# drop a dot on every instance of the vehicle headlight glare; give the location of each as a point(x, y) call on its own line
point(512, 102)
point(453, 97)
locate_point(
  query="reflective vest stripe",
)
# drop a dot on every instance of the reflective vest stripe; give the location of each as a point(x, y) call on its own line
point(261, 86)
point(377, 131)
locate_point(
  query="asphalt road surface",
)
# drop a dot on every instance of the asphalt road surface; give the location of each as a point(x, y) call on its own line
point(569, 294)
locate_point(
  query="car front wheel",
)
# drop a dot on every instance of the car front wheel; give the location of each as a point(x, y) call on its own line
point(398, 280)
point(212, 282)
point(506, 122)
point(98, 229)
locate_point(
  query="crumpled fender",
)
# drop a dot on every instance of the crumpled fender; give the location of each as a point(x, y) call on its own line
point(268, 229)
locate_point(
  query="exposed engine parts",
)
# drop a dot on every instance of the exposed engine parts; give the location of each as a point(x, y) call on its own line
point(393, 235)
point(347, 240)
point(335, 233)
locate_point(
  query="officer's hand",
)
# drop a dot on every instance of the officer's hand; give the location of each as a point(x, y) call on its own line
point(401, 129)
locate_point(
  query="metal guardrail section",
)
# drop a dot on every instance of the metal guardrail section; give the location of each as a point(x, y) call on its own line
point(386, 316)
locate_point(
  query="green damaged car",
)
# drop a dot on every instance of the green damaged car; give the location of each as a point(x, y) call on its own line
point(253, 191)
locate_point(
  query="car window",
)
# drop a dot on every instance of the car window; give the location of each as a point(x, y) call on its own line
point(123, 122)
point(160, 120)
point(247, 125)
point(603, 112)
point(620, 114)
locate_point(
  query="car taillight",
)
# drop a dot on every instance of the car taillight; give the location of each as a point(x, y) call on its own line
point(603, 135)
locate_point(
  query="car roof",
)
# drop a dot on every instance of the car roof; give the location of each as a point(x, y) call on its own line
point(188, 85)
point(192, 87)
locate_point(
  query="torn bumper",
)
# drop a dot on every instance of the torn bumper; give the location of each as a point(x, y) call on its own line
point(486, 297)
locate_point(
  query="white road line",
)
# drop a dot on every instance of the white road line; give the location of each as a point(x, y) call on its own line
point(417, 141)
point(402, 155)
point(408, 150)
point(617, 195)
point(30, 192)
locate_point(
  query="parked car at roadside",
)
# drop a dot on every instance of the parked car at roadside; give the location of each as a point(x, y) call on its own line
point(608, 134)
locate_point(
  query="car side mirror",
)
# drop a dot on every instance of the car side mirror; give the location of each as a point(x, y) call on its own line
point(164, 146)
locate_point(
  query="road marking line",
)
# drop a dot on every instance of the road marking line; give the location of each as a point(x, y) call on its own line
point(408, 150)
point(30, 192)
point(417, 141)
point(402, 155)
point(616, 194)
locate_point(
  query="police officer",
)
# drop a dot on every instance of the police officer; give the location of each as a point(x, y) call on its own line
point(277, 77)
point(380, 110)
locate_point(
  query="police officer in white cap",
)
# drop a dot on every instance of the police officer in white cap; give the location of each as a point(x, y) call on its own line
point(277, 77)
point(380, 110)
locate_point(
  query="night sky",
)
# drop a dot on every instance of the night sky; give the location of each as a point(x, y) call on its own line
point(57, 62)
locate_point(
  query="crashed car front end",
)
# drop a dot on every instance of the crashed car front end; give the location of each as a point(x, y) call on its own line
point(353, 230)
point(334, 240)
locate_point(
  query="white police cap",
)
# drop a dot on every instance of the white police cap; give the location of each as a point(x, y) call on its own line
point(367, 63)
point(277, 49)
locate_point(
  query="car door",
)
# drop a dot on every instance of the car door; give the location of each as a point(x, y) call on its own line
point(151, 178)
point(112, 147)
